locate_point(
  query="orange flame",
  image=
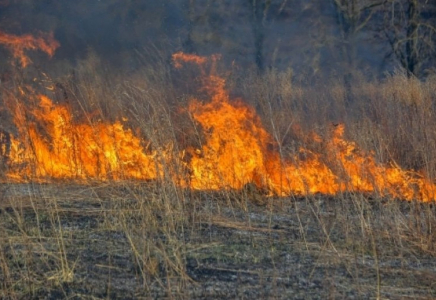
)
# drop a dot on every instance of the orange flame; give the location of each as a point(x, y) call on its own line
point(237, 150)
point(17, 45)
point(77, 151)
point(181, 57)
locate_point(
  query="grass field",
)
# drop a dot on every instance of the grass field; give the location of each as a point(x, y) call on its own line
point(97, 238)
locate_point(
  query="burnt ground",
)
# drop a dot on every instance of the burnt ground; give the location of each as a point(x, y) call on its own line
point(98, 242)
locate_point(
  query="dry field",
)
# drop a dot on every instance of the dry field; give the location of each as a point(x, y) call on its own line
point(162, 184)
point(141, 241)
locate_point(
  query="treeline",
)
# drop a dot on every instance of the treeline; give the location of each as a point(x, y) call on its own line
point(318, 37)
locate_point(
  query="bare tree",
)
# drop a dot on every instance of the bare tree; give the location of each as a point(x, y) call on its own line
point(410, 27)
point(259, 10)
point(353, 16)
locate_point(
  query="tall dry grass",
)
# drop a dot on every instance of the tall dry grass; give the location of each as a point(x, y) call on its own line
point(393, 117)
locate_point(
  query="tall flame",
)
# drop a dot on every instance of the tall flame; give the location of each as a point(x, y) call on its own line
point(236, 151)
point(17, 44)
point(54, 147)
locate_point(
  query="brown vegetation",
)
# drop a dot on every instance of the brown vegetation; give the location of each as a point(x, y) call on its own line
point(134, 239)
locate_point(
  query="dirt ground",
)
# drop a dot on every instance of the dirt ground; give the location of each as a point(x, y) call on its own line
point(90, 242)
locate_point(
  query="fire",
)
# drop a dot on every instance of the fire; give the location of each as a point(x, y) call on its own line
point(52, 146)
point(236, 143)
point(364, 174)
point(181, 57)
point(17, 44)
point(236, 151)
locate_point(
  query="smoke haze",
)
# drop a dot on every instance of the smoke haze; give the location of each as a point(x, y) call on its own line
point(309, 37)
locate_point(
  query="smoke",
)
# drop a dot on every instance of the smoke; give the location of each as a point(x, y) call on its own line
point(107, 27)
point(307, 37)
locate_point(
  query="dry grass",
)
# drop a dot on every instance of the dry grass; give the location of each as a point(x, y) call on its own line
point(156, 239)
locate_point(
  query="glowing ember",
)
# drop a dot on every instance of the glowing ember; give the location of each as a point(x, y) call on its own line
point(17, 45)
point(236, 151)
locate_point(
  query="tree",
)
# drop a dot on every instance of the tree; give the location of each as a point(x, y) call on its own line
point(410, 28)
point(352, 16)
point(259, 10)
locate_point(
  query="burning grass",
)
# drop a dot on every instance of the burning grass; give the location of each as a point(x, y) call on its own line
point(235, 150)
point(112, 188)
